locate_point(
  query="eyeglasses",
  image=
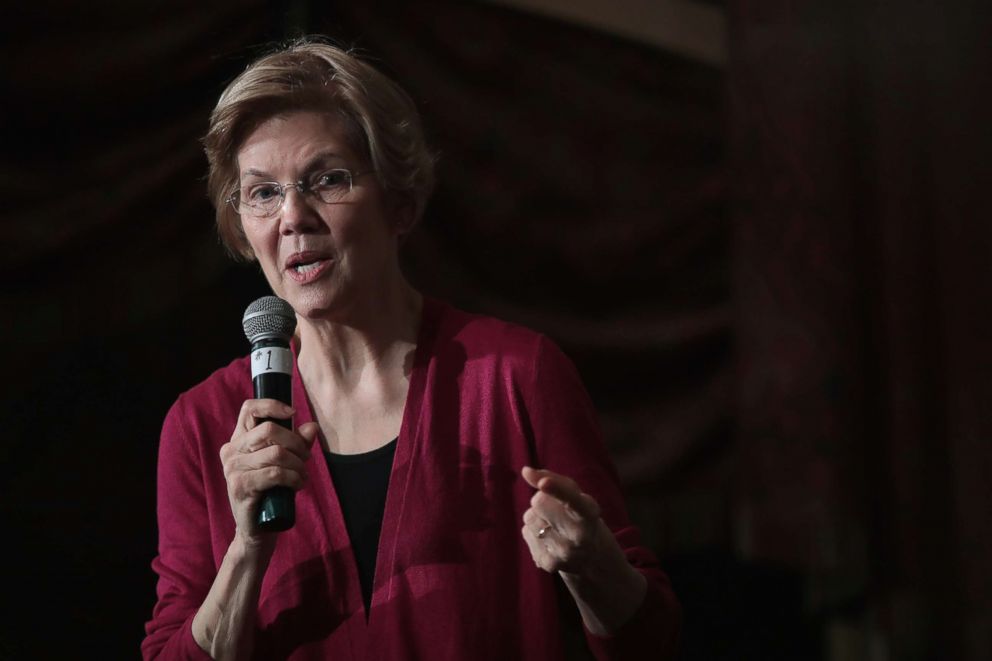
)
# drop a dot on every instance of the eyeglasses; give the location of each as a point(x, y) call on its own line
point(264, 199)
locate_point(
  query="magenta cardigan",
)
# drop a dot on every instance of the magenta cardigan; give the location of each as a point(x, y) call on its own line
point(454, 578)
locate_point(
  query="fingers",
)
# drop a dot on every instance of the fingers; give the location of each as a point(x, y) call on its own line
point(277, 456)
point(254, 410)
point(309, 432)
point(550, 511)
point(564, 489)
point(532, 476)
point(264, 454)
point(249, 474)
point(254, 431)
point(538, 551)
point(552, 551)
point(562, 523)
point(269, 434)
point(541, 528)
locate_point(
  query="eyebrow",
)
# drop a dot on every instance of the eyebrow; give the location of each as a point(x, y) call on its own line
point(319, 160)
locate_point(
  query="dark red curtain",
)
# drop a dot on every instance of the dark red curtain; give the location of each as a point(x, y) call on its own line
point(860, 201)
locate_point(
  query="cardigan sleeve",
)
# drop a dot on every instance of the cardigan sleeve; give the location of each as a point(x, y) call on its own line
point(568, 441)
point(184, 563)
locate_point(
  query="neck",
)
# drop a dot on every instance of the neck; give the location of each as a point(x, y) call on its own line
point(376, 338)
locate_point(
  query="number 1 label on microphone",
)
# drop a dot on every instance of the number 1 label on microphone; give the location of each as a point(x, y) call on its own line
point(270, 360)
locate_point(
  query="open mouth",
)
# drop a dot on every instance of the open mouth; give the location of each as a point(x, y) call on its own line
point(307, 266)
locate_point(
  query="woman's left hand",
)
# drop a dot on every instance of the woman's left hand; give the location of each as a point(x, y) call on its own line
point(565, 534)
point(562, 526)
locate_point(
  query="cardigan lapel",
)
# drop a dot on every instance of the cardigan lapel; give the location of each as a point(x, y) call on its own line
point(401, 479)
point(339, 554)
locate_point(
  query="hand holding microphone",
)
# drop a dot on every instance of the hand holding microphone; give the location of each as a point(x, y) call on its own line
point(265, 460)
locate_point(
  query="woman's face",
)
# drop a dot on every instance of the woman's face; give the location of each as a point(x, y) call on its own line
point(321, 258)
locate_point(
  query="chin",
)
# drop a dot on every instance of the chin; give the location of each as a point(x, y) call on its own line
point(314, 304)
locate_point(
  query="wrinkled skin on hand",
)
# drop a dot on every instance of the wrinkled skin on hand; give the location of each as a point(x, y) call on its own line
point(262, 455)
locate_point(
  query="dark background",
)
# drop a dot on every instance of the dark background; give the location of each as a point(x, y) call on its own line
point(771, 270)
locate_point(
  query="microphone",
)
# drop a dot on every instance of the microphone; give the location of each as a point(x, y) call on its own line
point(269, 323)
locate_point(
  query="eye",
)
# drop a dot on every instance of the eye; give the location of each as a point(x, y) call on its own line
point(332, 179)
point(261, 193)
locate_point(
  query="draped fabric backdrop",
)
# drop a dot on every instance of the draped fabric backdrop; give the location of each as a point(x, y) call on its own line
point(771, 276)
point(860, 198)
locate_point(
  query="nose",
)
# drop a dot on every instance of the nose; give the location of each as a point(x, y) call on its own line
point(297, 216)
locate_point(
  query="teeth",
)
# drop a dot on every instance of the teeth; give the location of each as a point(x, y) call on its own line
point(306, 268)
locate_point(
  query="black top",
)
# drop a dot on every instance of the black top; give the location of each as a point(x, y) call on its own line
point(360, 481)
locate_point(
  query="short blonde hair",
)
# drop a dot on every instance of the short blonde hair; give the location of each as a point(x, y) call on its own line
point(381, 121)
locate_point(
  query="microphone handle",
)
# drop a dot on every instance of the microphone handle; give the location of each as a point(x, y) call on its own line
point(277, 506)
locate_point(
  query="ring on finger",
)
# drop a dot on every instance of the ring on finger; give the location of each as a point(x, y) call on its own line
point(544, 531)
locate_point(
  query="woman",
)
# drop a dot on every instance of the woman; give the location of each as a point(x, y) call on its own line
point(416, 425)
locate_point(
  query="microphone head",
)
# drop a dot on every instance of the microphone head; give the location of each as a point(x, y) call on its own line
point(269, 317)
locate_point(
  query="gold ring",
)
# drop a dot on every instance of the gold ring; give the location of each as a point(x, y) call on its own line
point(543, 531)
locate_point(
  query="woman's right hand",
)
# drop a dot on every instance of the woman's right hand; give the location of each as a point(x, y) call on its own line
point(262, 455)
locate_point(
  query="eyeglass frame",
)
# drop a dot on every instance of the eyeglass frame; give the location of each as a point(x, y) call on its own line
point(301, 187)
